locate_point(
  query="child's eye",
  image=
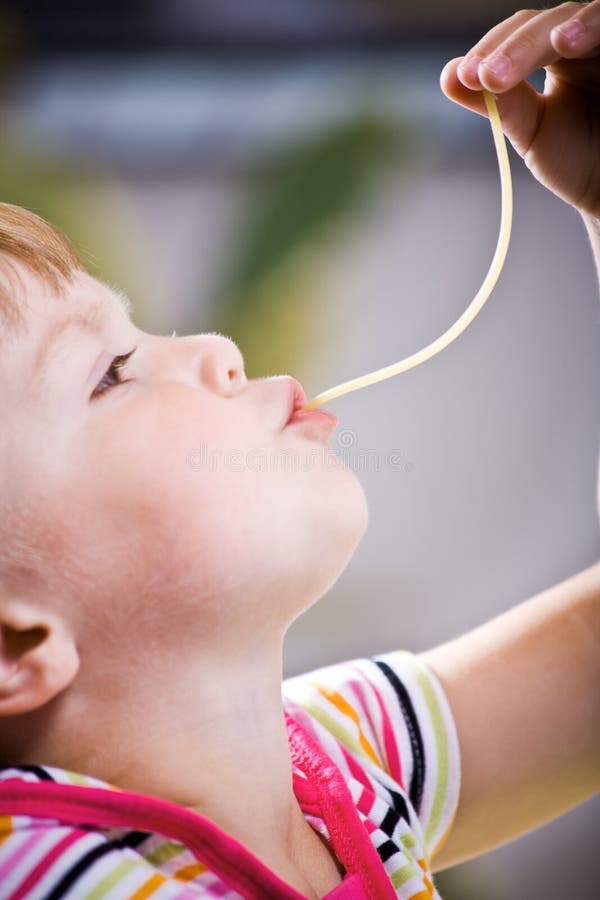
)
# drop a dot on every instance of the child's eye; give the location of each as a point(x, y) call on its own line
point(112, 376)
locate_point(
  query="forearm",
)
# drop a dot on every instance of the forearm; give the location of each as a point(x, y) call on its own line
point(524, 689)
point(592, 225)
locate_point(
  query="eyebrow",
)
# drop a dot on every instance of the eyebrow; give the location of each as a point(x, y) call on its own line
point(88, 321)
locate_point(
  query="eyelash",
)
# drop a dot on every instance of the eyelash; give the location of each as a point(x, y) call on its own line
point(118, 363)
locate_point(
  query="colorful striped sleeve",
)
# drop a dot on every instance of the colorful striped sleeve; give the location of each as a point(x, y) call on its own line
point(424, 721)
point(391, 712)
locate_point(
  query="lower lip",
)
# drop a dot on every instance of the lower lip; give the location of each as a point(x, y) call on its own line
point(318, 421)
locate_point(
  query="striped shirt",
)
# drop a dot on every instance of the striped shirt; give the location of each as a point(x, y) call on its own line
point(376, 771)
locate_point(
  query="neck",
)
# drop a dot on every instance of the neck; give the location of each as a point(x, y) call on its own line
point(206, 733)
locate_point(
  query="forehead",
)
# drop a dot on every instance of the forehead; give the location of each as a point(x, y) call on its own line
point(90, 310)
point(85, 306)
point(83, 302)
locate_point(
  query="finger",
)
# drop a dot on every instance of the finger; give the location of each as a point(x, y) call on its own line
point(520, 108)
point(488, 43)
point(579, 34)
point(525, 50)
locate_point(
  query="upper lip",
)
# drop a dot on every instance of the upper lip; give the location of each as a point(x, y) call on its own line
point(297, 398)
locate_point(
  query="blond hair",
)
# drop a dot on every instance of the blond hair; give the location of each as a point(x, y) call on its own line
point(32, 241)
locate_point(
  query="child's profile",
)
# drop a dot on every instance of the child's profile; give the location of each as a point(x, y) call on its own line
point(148, 747)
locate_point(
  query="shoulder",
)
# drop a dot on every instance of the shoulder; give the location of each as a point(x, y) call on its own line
point(390, 714)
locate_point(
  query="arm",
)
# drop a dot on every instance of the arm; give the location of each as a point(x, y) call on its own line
point(524, 690)
point(593, 229)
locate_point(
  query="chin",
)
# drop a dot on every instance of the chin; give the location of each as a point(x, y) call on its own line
point(342, 521)
point(355, 504)
point(351, 502)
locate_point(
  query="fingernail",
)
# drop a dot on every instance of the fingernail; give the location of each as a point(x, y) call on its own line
point(571, 32)
point(468, 68)
point(499, 66)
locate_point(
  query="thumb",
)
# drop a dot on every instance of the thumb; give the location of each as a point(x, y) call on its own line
point(520, 108)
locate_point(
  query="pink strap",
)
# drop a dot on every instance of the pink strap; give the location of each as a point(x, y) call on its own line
point(349, 836)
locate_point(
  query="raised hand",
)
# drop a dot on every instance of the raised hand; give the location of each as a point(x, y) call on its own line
point(558, 132)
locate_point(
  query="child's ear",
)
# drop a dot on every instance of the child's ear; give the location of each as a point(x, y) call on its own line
point(38, 657)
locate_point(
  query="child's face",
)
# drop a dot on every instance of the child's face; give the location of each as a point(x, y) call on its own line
point(183, 481)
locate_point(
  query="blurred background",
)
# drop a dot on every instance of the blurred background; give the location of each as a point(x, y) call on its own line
point(289, 173)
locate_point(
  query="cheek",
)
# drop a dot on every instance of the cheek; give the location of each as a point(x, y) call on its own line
point(171, 491)
point(169, 501)
point(127, 477)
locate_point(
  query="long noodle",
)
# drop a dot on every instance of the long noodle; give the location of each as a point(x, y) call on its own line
point(482, 294)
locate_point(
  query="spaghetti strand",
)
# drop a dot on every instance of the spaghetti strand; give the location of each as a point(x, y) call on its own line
point(481, 296)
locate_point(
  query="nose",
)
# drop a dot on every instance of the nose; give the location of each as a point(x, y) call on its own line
point(218, 362)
